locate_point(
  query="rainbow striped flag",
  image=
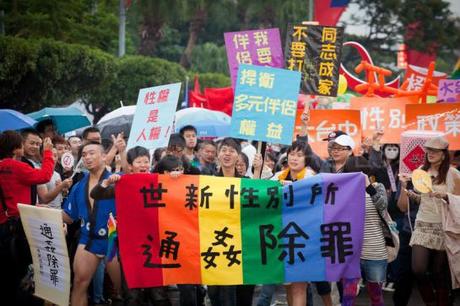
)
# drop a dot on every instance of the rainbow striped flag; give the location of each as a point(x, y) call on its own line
point(225, 231)
point(112, 248)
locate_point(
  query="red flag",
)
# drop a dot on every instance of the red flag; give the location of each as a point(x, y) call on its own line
point(196, 87)
point(328, 12)
point(220, 99)
point(196, 99)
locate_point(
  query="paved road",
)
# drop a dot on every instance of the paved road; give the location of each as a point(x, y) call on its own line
point(363, 300)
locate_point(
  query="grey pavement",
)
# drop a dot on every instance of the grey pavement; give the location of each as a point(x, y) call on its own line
point(363, 300)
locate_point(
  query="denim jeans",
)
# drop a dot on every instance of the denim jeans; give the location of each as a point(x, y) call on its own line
point(374, 270)
point(266, 295)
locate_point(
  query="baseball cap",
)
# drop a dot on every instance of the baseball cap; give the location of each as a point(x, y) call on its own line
point(345, 141)
point(333, 135)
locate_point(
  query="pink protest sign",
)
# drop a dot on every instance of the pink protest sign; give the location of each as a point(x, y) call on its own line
point(255, 47)
point(449, 91)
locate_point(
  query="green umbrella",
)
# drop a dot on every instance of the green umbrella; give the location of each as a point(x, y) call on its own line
point(65, 119)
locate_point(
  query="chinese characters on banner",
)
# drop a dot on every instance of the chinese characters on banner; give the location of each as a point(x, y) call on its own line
point(315, 51)
point(441, 117)
point(239, 231)
point(257, 47)
point(324, 121)
point(265, 104)
point(416, 77)
point(45, 234)
point(153, 120)
point(388, 114)
point(449, 91)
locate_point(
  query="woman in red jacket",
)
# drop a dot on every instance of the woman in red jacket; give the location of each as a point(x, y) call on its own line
point(16, 178)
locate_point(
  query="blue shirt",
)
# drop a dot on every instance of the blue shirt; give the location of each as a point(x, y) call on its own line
point(94, 232)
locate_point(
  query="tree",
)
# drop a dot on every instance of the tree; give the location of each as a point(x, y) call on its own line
point(256, 14)
point(39, 73)
point(131, 74)
point(424, 25)
point(155, 14)
point(252, 14)
point(209, 57)
point(381, 17)
point(198, 10)
point(429, 25)
point(72, 21)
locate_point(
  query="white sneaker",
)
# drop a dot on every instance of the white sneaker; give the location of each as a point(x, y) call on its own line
point(390, 287)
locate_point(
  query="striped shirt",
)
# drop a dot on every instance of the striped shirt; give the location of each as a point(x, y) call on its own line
point(373, 242)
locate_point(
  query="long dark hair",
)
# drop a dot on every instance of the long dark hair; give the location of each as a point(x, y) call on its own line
point(443, 167)
point(395, 162)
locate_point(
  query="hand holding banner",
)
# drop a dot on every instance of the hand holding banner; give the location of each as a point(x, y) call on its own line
point(153, 120)
point(441, 117)
point(45, 234)
point(315, 51)
point(229, 231)
point(383, 113)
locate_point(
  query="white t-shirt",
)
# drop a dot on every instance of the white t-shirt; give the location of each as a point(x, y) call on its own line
point(56, 202)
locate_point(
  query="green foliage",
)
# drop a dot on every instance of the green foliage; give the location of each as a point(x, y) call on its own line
point(39, 73)
point(172, 44)
point(132, 73)
point(87, 22)
point(431, 25)
point(209, 57)
point(135, 72)
point(214, 80)
point(50, 65)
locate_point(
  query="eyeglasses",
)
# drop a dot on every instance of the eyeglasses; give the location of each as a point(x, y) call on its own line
point(339, 149)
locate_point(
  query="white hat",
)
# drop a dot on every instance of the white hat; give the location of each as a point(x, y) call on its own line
point(439, 143)
point(345, 141)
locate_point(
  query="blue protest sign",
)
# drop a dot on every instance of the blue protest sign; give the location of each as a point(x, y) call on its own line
point(265, 104)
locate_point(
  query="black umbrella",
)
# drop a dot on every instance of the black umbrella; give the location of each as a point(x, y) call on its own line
point(115, 126)
point(117, 121)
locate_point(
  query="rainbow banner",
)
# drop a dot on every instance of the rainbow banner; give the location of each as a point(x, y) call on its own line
point(225, 231)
